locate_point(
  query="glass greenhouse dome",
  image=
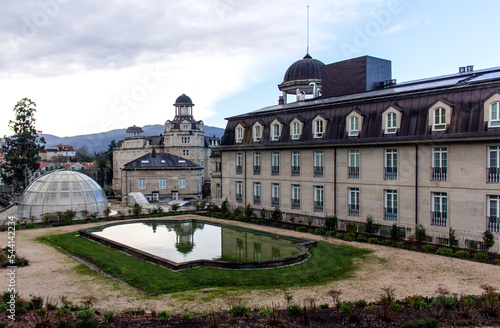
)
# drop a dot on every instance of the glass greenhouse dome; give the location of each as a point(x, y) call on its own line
point(61, 191)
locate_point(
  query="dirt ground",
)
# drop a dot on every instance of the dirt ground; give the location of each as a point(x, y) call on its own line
point(52, 273)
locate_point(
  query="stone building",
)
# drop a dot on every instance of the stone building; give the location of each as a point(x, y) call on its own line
point(420, 152)
point(183, 137)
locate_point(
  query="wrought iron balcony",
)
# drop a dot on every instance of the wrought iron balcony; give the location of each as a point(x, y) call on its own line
point(390, 173)
point(295, 170)
point(256, 169)
point(296, 204)
point(239, 198)
point(256, 200)
point(318, 171)
point(353, 172)
point(391, 214)
point(493, 223)
point(493, 175)
point(275, 201)
point(353, 210)
point(275, 170)
point(239, 169)
point(318, 206)
point(439, 173)
point(439, 218)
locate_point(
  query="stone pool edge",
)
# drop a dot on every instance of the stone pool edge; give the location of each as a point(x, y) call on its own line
point(304, 246)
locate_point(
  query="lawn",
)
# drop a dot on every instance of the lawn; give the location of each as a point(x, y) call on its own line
point(327, 262)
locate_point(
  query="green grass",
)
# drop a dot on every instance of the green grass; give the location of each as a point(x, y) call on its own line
point(327, 262)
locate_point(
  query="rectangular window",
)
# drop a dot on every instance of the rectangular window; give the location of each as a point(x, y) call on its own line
point(275, 194)
point(391, 205)
point(185, 140)
point(318, 163)
point(239, 191)
point(439, 209)
point(162, 183)
point(493, 169)
point(390, 123)
point(353, 169)
point(256, 163)
point(439, 119)
point(439, 164)
point(275, 163)
point(182, 183)
point(218, 166)
point(256, 133)
point(295, 130)
point(275, 131)
point(142, 184)
point(391, 164)
point(295, 163)
point(239, 163)
point(353, 126)
point(318, 198)
point(185, 153)
point(256, 193)
point(239, 135)
point(492, 219)
point(353, 202)
point(219, 191)
point(296, 197)
point(185, 126)
point(318, 129)
point(494, 114)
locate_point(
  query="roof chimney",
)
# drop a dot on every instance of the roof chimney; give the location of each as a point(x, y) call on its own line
point(470, 68)
point(281, 100)
point(461, 69)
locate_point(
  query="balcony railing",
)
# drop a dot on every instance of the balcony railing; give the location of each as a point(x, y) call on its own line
point(493, 175)
point(318, 171)
point(295, 204)
point(239, 169)
point(353, 210)
point(439, 173)
point(391, 214)
point(239, 198)
point(275, 170)
point(390, 173)
point(275, 201)
point(353, 172)
point(318, 206)
point(493, 223)
point(256, 169)
point(439, 218)
point(295, 171)
point(256, 200)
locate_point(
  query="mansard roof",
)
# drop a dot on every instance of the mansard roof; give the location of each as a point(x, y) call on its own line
point(465, 92)
point(161, 161)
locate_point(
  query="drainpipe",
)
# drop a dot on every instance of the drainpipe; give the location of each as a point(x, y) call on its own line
point(335, 181)
point(245, 180)
point(416, 185)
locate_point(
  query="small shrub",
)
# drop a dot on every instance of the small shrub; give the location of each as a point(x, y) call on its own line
point(444, 251)
point(29, 225)
point(417, 302)
point(186, 316)
point(350, 236)
point(276, 214)
point(350, 309)
point(293, 309)
point(108, 316)
point(428, 248)
point(371, 227)
point(173, 208)
point(224, 206)
point(339, 235)
point(400, 244)
point(497, 261)
point(163, 316)
point(463, 254)
point(331, 222)
point(335, 295)
point(36, 302)
point(481, 256)
point(319, 231)
point(351, 227)
point(361, 238)
point(452, 237)
point(373, 240)
point(239, 311)
point(266, 312)
point(443, 301)
point(85, 315)
point(488, 240)
point(466, 305)
point(420, 234)
point(248, 211)
point(425, 322)
point(395, 232)
point(490, 303)
point(93, 220)
point(385, 242)
point(301, 229)
point(329, 233)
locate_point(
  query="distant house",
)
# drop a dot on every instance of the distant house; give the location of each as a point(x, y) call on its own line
point(163, 177)
point(44, 168)
point(57, 151)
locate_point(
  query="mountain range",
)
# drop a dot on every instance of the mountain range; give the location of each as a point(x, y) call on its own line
point(99, 142)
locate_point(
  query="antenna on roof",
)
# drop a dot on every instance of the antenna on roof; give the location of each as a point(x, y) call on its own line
point(307, 29)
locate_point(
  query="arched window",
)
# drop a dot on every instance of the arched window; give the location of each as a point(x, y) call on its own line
point(390, 123)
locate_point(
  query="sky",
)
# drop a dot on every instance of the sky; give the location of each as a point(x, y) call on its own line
point(93, 66)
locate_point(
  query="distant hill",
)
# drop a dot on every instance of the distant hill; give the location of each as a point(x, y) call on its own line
point(98, 142)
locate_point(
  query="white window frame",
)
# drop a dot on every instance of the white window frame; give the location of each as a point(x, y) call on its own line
point(494, 119)
point(257, 133)
point(494, 150)
point(319, 158)
point(275, 191)
point(162, 183)
point(493, 216)
point(318, 128)
point(218, 190)
point(319, 193)
point(275, 128)
point(391, 198)
point(239, 159)
point(439, 200)
point(185, 126)
point(296, 192)
point(257, 189)
point(391, 123)
point(239, 188)
point(356, 193)
point(353, 128)
point(239, 134)
point(295, 130)
point(439, 119)
point(182, 183)
point(275, 159)
point(141, 184)
point(256, 159)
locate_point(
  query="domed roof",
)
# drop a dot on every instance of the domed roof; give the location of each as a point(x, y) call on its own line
point(134, 128)
point(305, 69)
point(60, 191)
point(183, 100)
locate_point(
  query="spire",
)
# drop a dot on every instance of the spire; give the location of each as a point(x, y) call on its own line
point(307, 30)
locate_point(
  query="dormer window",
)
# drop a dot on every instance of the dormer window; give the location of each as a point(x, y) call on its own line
point(439, 115)
point(390, 123)
point(257, 132)
point(318, 127)
point(439, 119)
point(353, 126)
point(494, 114)
point(185, 126)
point(239, 134)
point(295, 130)
point(275, 132)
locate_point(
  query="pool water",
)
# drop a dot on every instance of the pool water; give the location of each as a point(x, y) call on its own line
point(183, 241)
